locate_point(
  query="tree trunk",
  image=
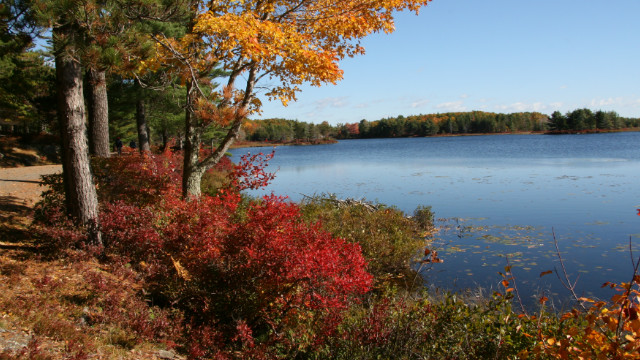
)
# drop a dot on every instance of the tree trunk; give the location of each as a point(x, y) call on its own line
point(165, 138)
point(80, 191)
point(191, 174)
point(98, 113)
point(194, 169)
point(141, 121)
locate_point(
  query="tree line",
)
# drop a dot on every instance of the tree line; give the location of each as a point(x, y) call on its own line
point(447, 123)
point(585, 120)
point(285, 131)
point(474, 122)
point(479, 122)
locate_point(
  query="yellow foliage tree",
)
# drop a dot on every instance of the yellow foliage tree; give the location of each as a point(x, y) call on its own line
point(289, 42)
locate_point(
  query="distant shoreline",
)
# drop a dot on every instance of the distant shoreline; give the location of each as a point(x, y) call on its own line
point(562, 132)
point(246, 144)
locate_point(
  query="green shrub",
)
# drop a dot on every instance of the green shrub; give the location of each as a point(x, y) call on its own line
point(390, 240)
point(399, 326)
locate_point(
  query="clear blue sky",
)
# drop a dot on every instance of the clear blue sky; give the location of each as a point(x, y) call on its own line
point(493, 55)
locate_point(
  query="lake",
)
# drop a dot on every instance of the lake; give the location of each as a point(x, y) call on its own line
point(495, 196)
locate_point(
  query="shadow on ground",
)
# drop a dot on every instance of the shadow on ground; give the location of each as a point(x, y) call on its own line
point(15, 218)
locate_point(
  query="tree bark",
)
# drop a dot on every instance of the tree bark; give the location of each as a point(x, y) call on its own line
point(98, 113)
point(80, 191)
point(191, 174)
point(165, 138)
point(141, 122)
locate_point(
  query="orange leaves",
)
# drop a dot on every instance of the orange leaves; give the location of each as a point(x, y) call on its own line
point(431, 256)
point(289, 41)
point(208, 112)
point(602, 332)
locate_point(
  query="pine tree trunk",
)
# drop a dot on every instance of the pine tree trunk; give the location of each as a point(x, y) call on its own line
point(80, 191)
point(141, 121)
point(98, 113)
point(165, 138)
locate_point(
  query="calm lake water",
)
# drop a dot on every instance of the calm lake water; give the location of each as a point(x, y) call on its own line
point(501, 195)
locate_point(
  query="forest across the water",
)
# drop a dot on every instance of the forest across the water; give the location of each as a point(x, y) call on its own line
point(453, 123)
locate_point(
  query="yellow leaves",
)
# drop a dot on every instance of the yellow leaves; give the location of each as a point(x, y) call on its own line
point(182, 272)
point(523, 354)
point(291, 41)
point(288, 41)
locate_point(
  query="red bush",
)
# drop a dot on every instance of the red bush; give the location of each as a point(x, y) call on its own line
point(138, 179)
point(247, 275)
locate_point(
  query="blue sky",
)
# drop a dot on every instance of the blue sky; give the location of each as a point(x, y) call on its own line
point(493, 55)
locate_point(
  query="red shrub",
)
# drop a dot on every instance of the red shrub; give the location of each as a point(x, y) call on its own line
point(299, 263)
point(138, 179)
point(129, 230)
point(249, 276)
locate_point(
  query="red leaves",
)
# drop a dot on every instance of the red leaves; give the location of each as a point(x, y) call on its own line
point(257, 270)
point(300, 262)
point(137, 178)
point(250, 172)
point(256, 265)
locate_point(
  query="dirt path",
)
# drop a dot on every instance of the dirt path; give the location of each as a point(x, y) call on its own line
point(19, 190)
point(21, 186)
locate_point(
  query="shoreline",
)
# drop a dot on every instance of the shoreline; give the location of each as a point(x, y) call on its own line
point(247, 144)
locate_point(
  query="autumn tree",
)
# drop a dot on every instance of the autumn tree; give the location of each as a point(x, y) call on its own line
point(288, 42)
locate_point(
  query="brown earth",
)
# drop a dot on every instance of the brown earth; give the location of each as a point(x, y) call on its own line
point(21, 185)
point(31, 332)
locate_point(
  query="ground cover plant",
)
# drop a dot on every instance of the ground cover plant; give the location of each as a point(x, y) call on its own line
point(229, 277)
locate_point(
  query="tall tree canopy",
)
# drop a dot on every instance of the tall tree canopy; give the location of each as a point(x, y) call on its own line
point(289, 42)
